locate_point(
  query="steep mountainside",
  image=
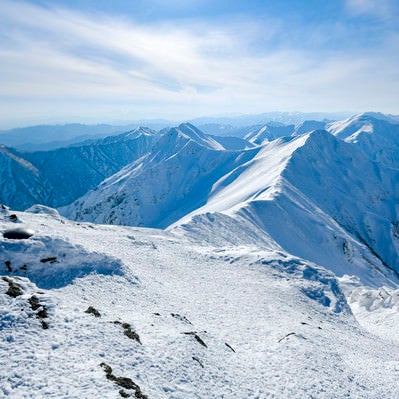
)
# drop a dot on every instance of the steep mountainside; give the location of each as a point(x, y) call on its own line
point(20, 180)
point(59, 176)
point(317, 197)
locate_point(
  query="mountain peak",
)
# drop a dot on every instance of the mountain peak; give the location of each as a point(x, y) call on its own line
point(178, 137)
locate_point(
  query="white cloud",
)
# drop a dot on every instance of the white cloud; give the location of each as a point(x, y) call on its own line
point(73, 65)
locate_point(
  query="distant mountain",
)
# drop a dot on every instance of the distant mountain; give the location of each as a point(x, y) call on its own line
point(269, 132)
point(376, 135)
point(47, 137)
point(285, 118)
point(274, 130)
point(223, 130)
point(58, 177)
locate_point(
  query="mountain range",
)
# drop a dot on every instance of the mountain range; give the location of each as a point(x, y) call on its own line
point(182, 264)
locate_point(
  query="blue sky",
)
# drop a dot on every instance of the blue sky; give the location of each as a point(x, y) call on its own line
point(102, 61)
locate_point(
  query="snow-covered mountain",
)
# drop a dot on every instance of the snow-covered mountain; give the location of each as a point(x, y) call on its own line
point(160, 188)
point(376, 134)
point(317, 196)
point(259, 135)
point(269, 132)
point(60, 176)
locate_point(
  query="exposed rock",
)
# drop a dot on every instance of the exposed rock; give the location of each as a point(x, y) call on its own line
point(51, 259)
point(197, 337)
point(14, 289)
point(93, 311)
point(124, 382)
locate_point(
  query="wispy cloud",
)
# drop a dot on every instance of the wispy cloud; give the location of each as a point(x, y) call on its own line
point(385, 9)
point(88, 64)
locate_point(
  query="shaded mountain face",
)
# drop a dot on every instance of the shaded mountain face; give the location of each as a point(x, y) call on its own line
point(57, 177)
point(20, 180)
point(315, 195)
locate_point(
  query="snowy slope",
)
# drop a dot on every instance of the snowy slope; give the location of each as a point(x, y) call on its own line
point(308, 193)
point(173, 318)
point(162, 187)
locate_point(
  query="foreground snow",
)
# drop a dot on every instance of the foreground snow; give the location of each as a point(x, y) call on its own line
point(215, 318)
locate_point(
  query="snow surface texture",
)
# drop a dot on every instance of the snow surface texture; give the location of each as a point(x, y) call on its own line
point(180, 319)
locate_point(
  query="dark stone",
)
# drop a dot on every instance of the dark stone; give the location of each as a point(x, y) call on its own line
point(14, 289)
point(124, 394)
point(197, 338)
point(51, 259)
point(181, 318)
point(198, 361)
point(93, 311)
point(131, 334)
point(124, 382)
point(34, 302)
point(286, 336)
point(42, 314)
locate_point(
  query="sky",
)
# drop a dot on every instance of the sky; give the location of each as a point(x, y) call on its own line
point(99, 61)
